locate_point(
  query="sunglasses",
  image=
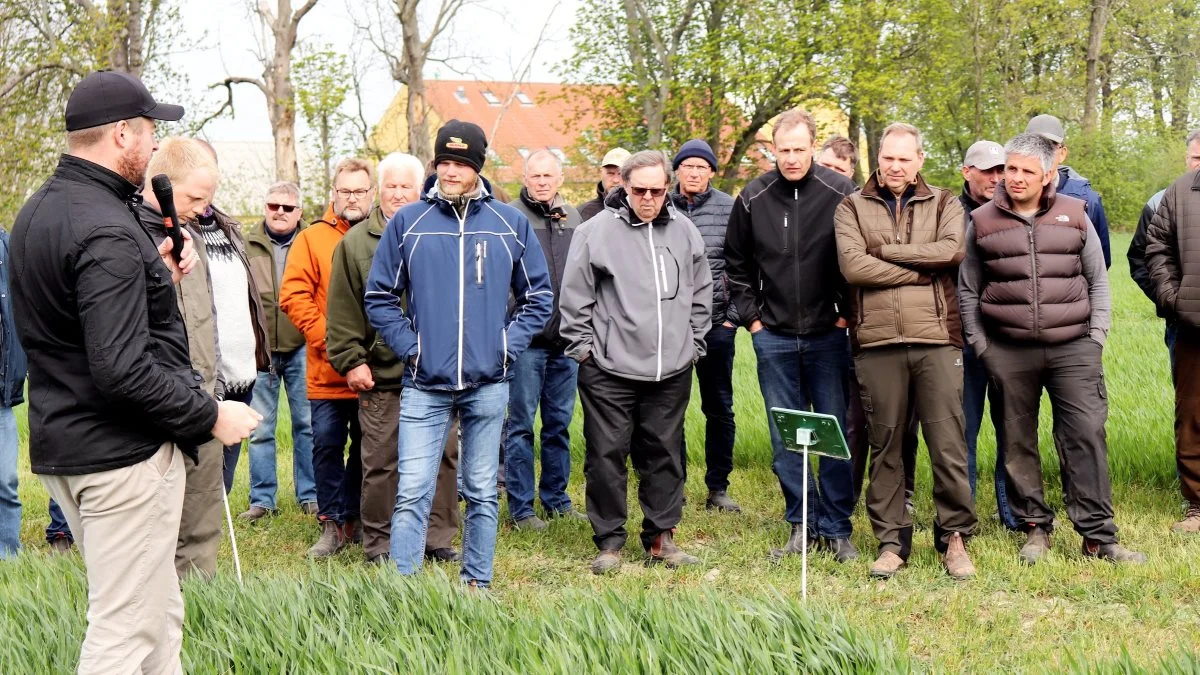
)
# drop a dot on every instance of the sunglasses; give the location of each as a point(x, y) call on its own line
point(286, 208)
point(653, 192)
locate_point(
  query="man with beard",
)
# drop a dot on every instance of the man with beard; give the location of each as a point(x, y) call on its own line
point(114, 402)
point(374, 371)
point(610, 177)
point(333, 403)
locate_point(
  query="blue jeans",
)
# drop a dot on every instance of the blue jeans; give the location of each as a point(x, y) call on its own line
point(976, 390)
point(263, 481)
point(10, 505)
point(714, 374)
point(545, 377)
point(58, 527)
point(339, 476)
point(803, 372)
point(424, 422)
point(1169, 340)
point(231, 453)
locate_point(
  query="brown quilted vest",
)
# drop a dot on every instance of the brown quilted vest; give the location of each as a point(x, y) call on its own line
point(1033, 288)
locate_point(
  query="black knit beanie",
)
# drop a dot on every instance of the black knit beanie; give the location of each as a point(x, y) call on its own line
point(461, 142)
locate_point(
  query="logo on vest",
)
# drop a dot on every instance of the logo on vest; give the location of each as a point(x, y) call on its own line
point(1061, 218)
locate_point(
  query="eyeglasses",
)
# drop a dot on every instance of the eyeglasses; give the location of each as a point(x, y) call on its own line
point(643, 191)
point(695, 167)
point(357, 194)
point(286, 208)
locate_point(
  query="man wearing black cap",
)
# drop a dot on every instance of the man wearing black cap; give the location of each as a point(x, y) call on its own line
point(708, 208)
point(113, 397)
point(458, 257)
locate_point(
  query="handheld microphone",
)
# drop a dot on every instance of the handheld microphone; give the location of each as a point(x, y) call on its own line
point(161, 185)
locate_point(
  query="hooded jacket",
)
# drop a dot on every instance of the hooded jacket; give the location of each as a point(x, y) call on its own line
point(303, 297)
point(458, 272)
point(554, 226)
point(350, 339)
point(110, 378)
point(637, 297)
point(902, 265)
point(1173, 251)
point(1072, 184)
point(780, 253)
point(709, 212)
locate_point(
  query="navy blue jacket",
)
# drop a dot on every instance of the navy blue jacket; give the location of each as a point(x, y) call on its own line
point(457, 273)
point(1074, 185)
point(12, 357)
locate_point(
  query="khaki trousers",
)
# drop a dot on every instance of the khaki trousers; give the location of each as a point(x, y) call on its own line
point(203, 512)
point(379, 419)
point(126, 522)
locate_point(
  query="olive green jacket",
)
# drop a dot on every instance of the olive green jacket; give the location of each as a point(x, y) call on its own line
point(282, 334)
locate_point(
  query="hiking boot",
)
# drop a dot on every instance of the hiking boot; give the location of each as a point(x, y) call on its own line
point(531, 523)
point(665, 551)
point(720, 501)
point(567, 514)
point(309, 508)
point(352, 531)
point(1037, 545)
point(795, 544)
point(333, 539)
point(886, 565)
point(609, 560)
point(956, 561)
point(1114, 553)
point(1191, 521)
point(442, 555)
point(253, 513)
point(843, 551)
point(60, 545)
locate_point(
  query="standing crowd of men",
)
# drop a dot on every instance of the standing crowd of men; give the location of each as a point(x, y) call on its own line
point(420, 325)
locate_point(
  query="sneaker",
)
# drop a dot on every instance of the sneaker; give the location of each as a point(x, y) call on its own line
point(1114, 553)
point(60, 545)
point(843, 551)
point(886, 565)
point(1037, 545)
point(609, 560)
point(333, 539)
point(310, 508)
point(956, 561)
point(665, 551)
point(532, 523)
point(253, 513)
point(1191, 521)
point(442, 555)
point(795, 544)
point(719, 500)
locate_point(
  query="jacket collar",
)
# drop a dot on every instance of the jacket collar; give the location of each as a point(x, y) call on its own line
point(874, 189)
point(600, 193)
point(258, 232)
point(430, 192)
point(1004, 202)
point(1196, 180)
point(376, 223)
point(330, 219)
point(968, 201)
point(681, 200)
point(556, 210)
point(80, 169)
point(619, 202)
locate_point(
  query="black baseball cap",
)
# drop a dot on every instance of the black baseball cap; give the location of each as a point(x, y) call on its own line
point(108, 96)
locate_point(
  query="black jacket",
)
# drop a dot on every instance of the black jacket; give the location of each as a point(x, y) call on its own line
point(781, 259)
point(709, 212)
point(1137, 252)
point(594, 206)
point(554, 226)
point(12, 357)
point(109, 375)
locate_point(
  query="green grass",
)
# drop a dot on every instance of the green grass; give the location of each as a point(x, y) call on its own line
point(735, 613)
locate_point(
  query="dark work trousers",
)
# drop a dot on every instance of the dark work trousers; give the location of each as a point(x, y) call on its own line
point(643, 421)
point(860, 449)
point(929, 379)
point(229, 458)
point(714, 374)
point(1073, 374)
point(379, 418)
point(1187, 410)
point(339, 477)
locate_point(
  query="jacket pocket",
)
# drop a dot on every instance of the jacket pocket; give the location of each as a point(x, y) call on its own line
point(160, 297)
point(667, 269)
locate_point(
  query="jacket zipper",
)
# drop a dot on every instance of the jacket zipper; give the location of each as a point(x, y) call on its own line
point(796, 212)
point(479, 263)
point(462, 280)
point(658, 294)
point(1037, 322)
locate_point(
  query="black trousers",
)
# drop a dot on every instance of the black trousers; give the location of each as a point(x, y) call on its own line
point(643, 421)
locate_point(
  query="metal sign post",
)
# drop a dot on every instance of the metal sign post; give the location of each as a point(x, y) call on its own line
point(809, 433)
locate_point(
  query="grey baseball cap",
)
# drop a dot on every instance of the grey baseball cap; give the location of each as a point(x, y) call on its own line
point(984, 155)
point(1048, 127)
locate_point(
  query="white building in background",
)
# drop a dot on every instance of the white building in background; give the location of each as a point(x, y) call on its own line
point(247, 170)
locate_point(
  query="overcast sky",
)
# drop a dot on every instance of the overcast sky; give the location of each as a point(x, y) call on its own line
point(494, 38)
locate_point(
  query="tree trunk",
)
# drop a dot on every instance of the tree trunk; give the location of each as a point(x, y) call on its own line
point(1095, 42)
point(1183, 65)
point(281, 99)
point(127, 54)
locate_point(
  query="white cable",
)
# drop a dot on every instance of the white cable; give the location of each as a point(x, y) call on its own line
point(237, 562)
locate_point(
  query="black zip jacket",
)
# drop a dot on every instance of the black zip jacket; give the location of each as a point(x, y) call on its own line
point(554, 226)
point(781, 260)
point(591, 207)
point(709, 212)
point(109, 375)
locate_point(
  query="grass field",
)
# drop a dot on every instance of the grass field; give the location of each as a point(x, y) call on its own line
point(735, 613)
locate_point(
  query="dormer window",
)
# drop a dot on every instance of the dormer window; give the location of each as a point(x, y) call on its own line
point(491, 98)
point(460, 95)
point(524, 99)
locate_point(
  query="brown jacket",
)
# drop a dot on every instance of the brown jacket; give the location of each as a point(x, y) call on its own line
point(303, 296)
point(1173, 251)
point(901, 267)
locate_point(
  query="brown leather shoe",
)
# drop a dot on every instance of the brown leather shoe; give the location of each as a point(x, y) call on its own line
point(253, 513)
point(665, 551)
point(333, 539)
point(1037, 545)
point(886, 565)
point(60, 545)
point(609, 560)
point(956, 561)
point(1191, 521)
